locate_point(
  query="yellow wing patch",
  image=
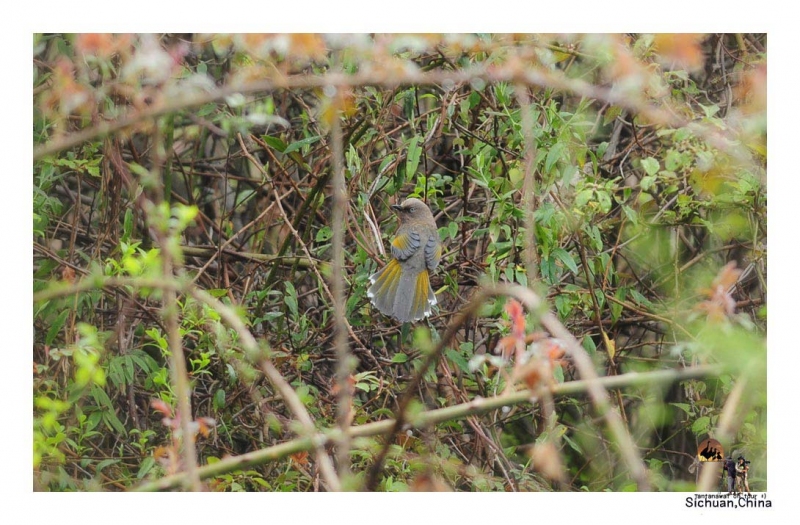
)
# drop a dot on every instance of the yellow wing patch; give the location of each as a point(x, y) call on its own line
point(400, 242)
point(420, 301)
point(388, 279)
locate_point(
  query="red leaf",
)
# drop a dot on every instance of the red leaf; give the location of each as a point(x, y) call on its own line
point(161, 406)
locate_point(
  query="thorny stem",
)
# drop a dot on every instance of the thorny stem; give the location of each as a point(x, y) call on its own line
point(595, 386)
point(504, 73)
point(343, 358)
point(529, 203)
point(598, 394)
point(179, 372)
point(432, 417)
point(582, 361)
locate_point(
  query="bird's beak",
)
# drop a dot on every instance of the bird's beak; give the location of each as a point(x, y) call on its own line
point(396, 207)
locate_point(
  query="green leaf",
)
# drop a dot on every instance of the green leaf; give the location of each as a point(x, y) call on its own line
point(453, 229)
point(574, 446)
point(685, 407)
point(106, 462)
point(324, 234)
point(128, 368)
point(115, 373)
point(275, 142)
point(458, 359)
point(386, 162)
point(412, 158)
point(647, 182)
point(207, 109)
point(558, 374)
point(111, 419)
point(711, 110)
point(101, 398)
point(611, 113)
point(597, 239)
point(605, 201)
point(548, 270)
point(219, 399)
point(553, 156)
point(563, 305)
point(650, 165)
point(144, 468)
point(142, 362)
point(701, 425)
point(641, 299)
point(94, 420)
point(562, 255)
point(583, 197)
point(294, 146)
point(399, 358)
point(291, 298)
point(631, 215)
point(616, 308)
point(127, 226)
point(55, 328)
point(139, 170)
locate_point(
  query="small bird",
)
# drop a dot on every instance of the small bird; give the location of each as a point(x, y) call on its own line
point(402, 288)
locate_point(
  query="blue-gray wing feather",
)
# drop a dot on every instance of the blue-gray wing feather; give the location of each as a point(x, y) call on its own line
point(433, 252)
point(412, 245)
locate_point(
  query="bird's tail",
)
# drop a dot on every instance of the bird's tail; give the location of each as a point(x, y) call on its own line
point(401, 294)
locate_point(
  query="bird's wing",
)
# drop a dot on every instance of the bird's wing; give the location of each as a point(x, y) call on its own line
point(405, 245)
point(433, 252)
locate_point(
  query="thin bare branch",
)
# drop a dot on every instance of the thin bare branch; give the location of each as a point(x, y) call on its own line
point(432, 417)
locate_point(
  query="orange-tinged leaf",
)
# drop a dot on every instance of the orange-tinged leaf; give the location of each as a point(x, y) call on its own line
point(100, 44)
point(351, 385)
point(205, 424)
point(68, 274)
point(300, 458)
point(681, 49)
point(624, 66)
point(555, 352)
point(751, 92)
point(517, 315)
point(307, 45)
point(547, 461)
point(727, 277)
point(535, 337)
point(427, 482)
point(720, 303)
point(535, 372)
point(161, 406)
point(505, 346)
point(532, 376)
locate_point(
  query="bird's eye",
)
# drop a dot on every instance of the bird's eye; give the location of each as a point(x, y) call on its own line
point(410, 209)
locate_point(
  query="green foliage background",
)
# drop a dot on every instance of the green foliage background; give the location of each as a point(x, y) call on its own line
point(177, 162)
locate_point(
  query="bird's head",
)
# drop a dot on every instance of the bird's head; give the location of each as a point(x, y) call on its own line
point(412, 210)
